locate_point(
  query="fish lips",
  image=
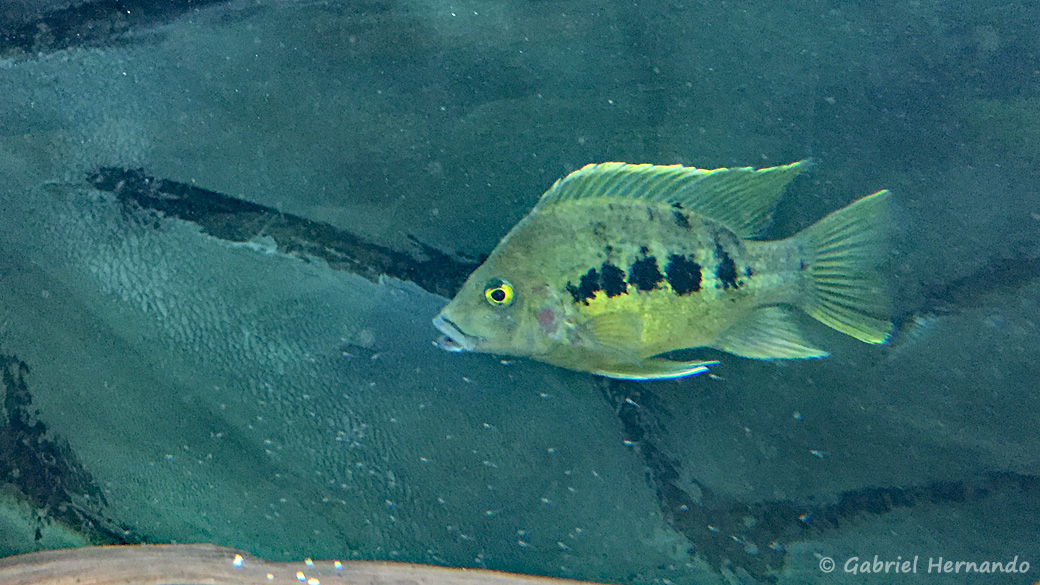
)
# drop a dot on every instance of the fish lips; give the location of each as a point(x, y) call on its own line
point(453, 340)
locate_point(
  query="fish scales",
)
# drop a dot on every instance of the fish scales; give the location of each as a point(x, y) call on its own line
point(620, 263)
point(627, 235)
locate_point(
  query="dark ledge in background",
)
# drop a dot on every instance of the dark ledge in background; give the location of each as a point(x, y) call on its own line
point(43, 469)
point(236, 220)
point(27, 32)
point(752, 537)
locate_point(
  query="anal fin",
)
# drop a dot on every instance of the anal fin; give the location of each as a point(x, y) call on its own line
point(767, 333)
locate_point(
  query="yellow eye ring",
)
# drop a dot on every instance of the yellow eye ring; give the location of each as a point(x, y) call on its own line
point(498, 293)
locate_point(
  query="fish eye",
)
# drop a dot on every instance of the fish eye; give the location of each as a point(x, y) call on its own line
point(498, 292)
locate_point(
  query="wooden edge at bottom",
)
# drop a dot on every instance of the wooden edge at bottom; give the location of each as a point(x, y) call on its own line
point(204, 564)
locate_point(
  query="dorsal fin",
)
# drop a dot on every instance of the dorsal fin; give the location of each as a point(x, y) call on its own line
point(742, 199)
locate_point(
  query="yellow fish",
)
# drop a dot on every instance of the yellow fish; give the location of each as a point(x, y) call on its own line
point(618, 264)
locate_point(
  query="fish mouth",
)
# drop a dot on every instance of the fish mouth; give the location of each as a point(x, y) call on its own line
point(453, 340)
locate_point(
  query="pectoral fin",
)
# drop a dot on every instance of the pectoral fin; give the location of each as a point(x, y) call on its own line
point(655, 369)
point(618, 332)
point(767, 333)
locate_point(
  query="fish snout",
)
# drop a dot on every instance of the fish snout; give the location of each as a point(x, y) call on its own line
point(453, 340)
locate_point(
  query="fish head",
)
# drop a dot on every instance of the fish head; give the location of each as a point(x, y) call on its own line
point(505, 312)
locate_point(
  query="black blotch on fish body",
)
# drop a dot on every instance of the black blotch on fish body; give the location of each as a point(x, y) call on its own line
point(650, 213)
point(747, 272)
point(681, 219)
point(613, 280)
point(683, 274)
point(587, 288)
point(608, 278)
point(644, 274)
point(726, 270)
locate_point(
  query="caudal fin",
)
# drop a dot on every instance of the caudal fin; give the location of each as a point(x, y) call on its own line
point(845, 293)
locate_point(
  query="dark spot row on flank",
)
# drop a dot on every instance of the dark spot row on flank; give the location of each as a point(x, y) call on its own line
point(683, 274)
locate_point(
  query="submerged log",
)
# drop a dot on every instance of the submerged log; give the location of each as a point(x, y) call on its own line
point(237, 220)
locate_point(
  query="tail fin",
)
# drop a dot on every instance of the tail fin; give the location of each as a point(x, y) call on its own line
point(845, 293)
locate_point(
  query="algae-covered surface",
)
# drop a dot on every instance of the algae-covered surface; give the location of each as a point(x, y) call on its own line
point(212, 375)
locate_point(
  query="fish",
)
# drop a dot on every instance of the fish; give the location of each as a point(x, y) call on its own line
point(619, 265)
